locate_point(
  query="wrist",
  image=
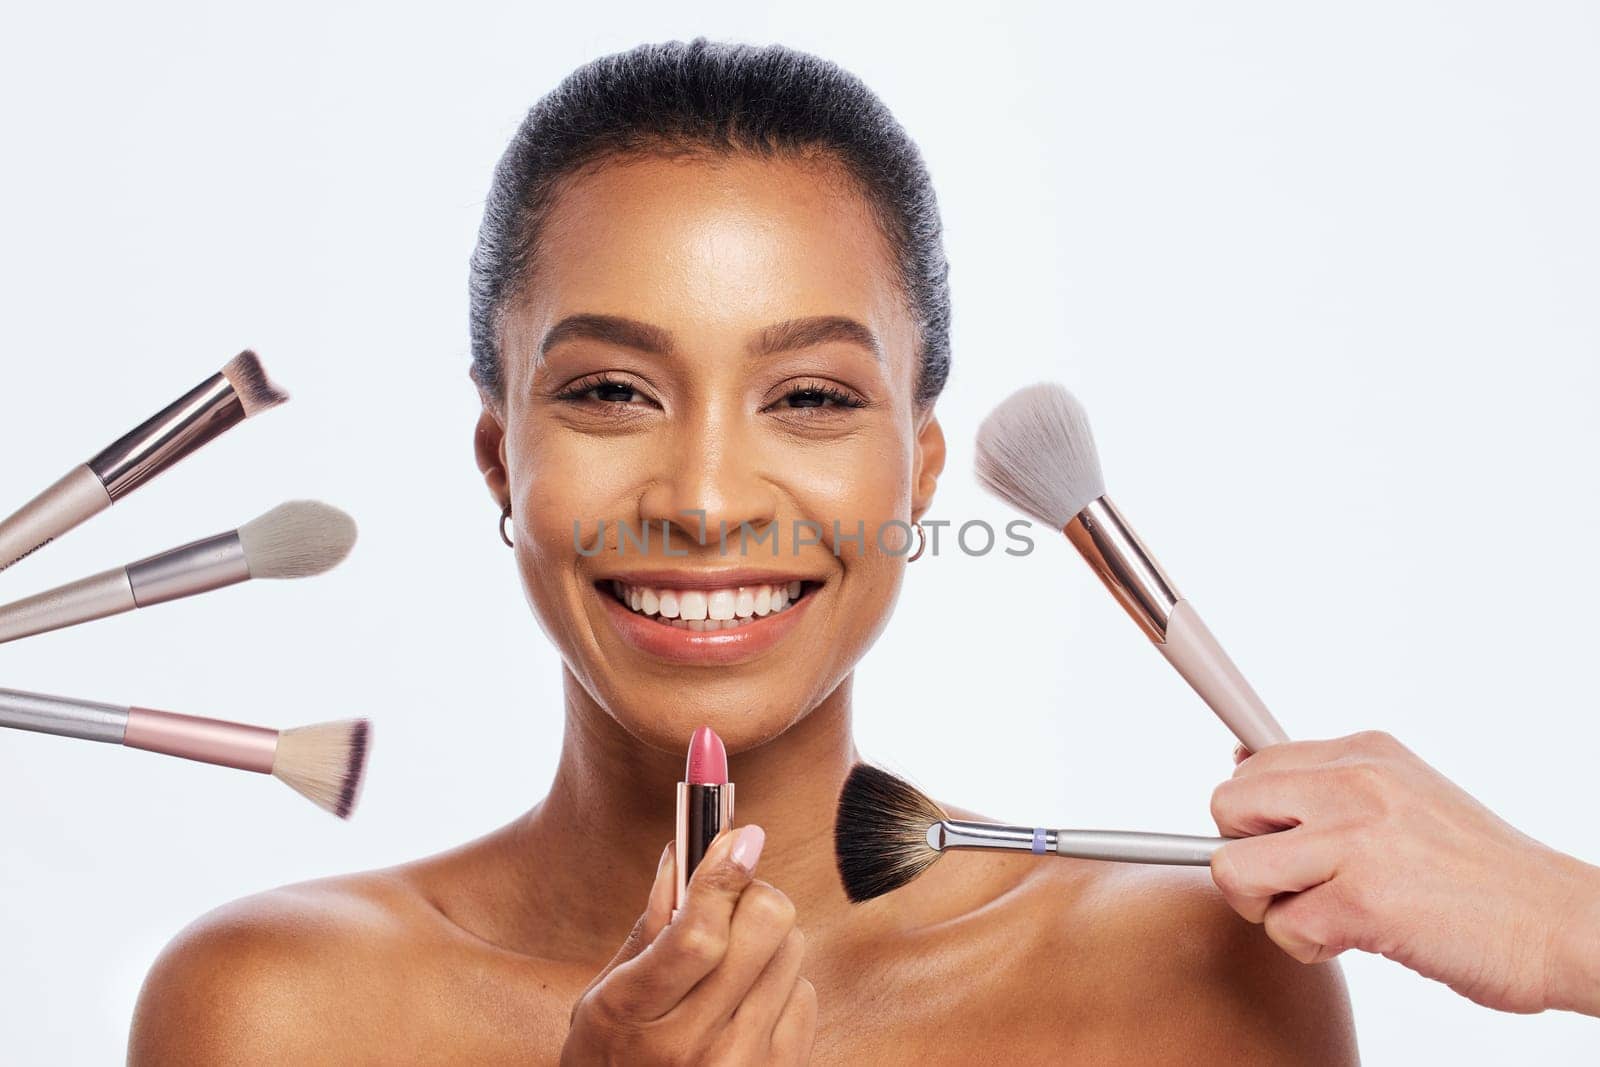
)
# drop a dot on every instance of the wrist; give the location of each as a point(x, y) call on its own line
point(1574, 981)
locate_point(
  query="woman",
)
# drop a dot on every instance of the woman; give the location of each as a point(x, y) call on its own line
point(709, 295)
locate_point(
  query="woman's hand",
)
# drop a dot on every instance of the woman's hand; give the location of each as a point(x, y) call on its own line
point(719, 984)
point(1385, 854)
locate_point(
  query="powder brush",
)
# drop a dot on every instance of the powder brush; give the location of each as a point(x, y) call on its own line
point(1036, 451)
point(324, 763)
point(294, 540)
point(888, 832)
point(240, 390)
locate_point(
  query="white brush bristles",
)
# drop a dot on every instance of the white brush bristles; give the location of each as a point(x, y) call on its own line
point(324, 763)
point(297, 540)
point(1036, 451)
point(249, 379)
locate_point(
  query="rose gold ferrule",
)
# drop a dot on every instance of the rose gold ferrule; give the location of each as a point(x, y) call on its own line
point(231, 744)
point(194, 419)
point(704, 811)
point(1109, 545)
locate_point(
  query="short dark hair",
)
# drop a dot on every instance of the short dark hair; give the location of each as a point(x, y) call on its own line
point(711, 96)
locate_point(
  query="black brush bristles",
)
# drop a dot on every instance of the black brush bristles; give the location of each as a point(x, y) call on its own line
point(880, 838)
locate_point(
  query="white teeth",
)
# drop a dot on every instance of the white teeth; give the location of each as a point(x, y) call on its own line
point(709, 609)
point(692, 604)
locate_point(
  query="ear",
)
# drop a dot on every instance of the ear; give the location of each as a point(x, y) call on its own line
point(929, 464)
point(489, 444)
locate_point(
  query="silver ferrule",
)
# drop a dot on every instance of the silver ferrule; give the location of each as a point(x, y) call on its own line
point(62, 716)
point(1117, 846)
point(951, 834)
point(198, 567)
point(1109, 545)
point(200, 415)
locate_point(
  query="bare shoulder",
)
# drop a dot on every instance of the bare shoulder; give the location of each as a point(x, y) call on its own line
point(1195, 981)
point(263, 977)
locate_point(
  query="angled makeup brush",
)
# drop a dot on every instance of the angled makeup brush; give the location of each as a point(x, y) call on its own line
point(888, 833)
point(1036, 451)
point(323, 763)
point(237, 392)
point(293, 540)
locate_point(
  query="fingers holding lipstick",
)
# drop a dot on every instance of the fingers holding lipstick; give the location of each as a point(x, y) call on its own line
point(717, 983)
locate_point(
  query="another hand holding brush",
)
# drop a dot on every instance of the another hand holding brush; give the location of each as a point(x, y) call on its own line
point(1380, 852)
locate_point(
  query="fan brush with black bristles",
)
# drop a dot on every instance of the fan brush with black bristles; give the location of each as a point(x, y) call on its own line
point(1036, 452)
point(888, 833)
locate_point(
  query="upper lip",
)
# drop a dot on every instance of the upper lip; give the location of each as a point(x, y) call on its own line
point(702, 579)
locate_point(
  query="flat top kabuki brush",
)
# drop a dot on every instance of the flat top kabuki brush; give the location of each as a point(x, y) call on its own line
point(294, 540)
point(237, 392)
point(1036, 451)
point(888, 833)
point(324, 763)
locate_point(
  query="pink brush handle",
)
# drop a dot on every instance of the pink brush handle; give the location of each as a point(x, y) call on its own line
point(1192, 649)
point(72, 500)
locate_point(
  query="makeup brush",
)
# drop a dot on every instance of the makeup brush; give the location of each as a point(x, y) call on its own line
point(323, 763)
point(887, 833)
point(1036, 451)
point(293, 540)
point(239, 391)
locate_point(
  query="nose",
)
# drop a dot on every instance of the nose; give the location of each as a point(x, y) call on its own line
point(709, 482)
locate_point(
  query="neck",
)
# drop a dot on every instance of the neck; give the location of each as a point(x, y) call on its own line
point(592, 846)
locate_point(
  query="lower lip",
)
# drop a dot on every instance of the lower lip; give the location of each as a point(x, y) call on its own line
point(712, 647)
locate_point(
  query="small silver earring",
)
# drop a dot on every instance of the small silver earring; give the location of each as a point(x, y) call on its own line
point(505, 516)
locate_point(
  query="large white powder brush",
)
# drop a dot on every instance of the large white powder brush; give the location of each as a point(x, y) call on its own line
point(1036, 451)
point(294, 540)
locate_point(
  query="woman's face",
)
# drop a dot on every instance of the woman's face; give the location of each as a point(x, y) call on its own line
point(711, 345)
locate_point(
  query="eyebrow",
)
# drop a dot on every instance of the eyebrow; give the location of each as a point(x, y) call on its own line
point(781, 337)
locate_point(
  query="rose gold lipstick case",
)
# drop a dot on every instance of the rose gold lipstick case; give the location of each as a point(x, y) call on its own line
point(704, 811)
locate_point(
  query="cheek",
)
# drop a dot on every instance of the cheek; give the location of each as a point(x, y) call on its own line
point(559, 480)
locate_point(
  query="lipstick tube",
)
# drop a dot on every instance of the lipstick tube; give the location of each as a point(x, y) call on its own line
point(705, 806)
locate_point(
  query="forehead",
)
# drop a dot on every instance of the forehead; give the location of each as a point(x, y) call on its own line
point(706, 246)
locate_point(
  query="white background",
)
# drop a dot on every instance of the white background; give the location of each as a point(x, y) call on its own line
point(1326, 277)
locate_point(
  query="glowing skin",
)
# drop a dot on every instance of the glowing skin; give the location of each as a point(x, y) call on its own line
point(548, 939)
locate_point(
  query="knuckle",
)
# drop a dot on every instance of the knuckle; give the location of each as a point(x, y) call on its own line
point(702, 944)
point(769, 906)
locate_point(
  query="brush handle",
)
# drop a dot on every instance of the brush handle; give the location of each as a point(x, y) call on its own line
point(94, 597)
point(1196, 654)
point(76, 498)
point(1129, 846)
point(62, 716)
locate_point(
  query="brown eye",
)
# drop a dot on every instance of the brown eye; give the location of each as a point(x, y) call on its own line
point(602, 390)
point(811, 396)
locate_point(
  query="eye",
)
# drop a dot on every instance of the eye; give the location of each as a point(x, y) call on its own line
point(603, 390)
point(812, 395)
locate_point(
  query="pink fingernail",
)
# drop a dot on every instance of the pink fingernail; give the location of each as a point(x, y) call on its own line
point(748, 845)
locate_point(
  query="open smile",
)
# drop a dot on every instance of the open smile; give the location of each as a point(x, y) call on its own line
point(704, 618)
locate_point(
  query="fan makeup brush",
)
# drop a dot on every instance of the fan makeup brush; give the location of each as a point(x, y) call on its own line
point(293, 540)
point(887, 833)
point(239, 391)
point(323, 763)
point(1036, 451)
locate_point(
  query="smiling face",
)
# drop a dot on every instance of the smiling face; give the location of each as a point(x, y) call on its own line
point(710, 344)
